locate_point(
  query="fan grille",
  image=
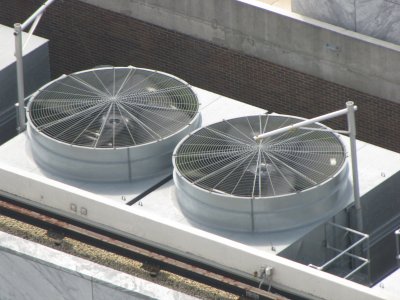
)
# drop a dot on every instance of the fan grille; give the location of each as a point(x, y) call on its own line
point(113, 107)
point(224, 157)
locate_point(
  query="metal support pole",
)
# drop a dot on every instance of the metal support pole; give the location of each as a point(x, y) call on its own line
point(397, 235)
point(20, 77)
point(18, 28)
point(351, 121)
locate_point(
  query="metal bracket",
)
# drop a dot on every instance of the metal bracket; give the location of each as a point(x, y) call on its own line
point(266, 275)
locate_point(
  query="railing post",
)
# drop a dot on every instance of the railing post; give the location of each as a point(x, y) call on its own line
point(351, 122)
point(18, 28)
point(397, 236)
point(20, 77)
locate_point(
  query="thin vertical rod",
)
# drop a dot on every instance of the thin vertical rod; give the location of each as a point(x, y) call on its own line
point(20, 77)
point(351, 123)
point(397, 235)
point(18, 28)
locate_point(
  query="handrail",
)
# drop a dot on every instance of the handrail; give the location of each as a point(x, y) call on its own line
point(365, 260)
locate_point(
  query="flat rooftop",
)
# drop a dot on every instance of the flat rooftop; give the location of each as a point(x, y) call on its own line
point(162, 202)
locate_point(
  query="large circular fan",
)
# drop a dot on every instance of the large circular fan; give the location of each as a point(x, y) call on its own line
point(111, 124)
point(227, 179)
point(113, 107)
point(225, 158)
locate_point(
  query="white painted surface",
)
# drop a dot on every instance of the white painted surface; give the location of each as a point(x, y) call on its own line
point(390, 284)
point(21, 178)
point(7, 45)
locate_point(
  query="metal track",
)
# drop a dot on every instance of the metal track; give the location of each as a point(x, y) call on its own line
point(134, 250)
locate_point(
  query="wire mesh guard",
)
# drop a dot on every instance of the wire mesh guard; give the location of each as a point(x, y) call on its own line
point(224, 157)
point(113, 107)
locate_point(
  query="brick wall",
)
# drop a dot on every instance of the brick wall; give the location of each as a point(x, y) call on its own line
point(83, 36)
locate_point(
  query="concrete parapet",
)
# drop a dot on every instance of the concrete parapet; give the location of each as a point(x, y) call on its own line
point(288, 39)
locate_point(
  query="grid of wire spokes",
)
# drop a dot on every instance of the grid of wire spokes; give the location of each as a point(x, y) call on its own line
point(113, 107)
point(224, 157)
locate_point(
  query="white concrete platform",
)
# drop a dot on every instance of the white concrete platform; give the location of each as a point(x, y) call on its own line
point(390, 284)
point(285, 4)
point(7, 51)
point(156, 219)
point(213, 108)
point(162, 202)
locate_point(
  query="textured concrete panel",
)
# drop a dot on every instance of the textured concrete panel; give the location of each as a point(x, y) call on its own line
point(339, 12)
point(30, 271)
point(379, 18)
point(25, 279)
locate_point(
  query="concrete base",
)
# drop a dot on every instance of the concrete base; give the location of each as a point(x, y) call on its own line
point(157, 220)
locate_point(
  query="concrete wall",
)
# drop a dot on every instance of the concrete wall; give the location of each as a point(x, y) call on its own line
point(31, 271)
point(376, 18)
point(83, 36)
point(290, 40)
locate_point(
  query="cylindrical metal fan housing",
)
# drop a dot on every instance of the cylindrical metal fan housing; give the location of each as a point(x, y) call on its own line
point(111, 124)
point(226, 180)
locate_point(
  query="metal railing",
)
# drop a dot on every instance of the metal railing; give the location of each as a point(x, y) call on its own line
point(364, 261)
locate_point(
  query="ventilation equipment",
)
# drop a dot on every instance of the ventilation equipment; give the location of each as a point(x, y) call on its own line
point(111, 124)
point(226, 179)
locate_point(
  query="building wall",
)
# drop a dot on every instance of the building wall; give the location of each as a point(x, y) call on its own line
point(82, 36)
point(31, 271)
point(279, 36)
point(377, 18)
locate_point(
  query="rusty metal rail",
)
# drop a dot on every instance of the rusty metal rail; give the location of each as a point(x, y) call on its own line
point(128, 248)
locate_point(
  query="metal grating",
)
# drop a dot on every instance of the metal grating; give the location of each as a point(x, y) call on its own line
point(113, 107)
point(224, 157)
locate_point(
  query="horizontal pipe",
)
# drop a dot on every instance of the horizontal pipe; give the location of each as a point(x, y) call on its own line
point(344, 252)
point(365, 235)
point(303, 123)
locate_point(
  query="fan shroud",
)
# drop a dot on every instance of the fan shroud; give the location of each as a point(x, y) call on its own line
point(111, 123)
point(227, 180)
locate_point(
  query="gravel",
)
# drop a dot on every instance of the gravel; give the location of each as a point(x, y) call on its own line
point(114, 261)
